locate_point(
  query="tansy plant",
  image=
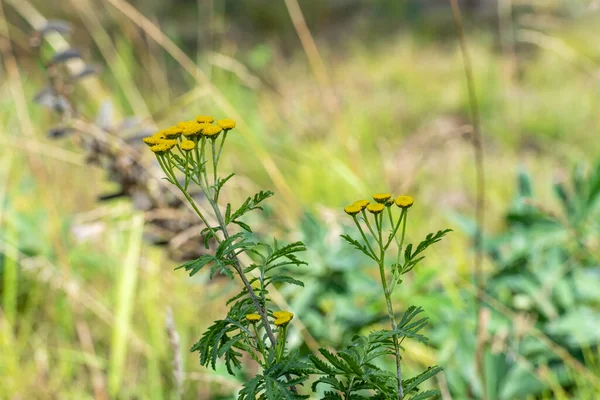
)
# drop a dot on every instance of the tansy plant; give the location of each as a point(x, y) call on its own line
point(189, 154)
point(354, 371)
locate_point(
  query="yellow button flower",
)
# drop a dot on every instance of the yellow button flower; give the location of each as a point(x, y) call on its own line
point(282, 318)
point(381, 197)
point(154, 139)
point(226, 123)
point(362, 203)
point(172, 132)
point(187, 145)
point(211, 130)
point(161, 148)
point(375, 208)
point(190, 128)
point(205, 118)
point(253, 317)
point(404, 201)
point(353, 209)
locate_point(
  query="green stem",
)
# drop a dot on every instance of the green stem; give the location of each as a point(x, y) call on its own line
point(374, 256)
point(261, 347)
point(187, 169)
point(281, 342)
point(390, 310)
point(214, 157)
point(221, 145)
point(395, 228)
point(364, 213)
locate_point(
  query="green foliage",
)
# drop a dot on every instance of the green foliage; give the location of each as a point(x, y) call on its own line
point(352, 371)
point(546, 272)
point(274, 383)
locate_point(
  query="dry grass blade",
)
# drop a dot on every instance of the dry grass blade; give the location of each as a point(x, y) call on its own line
point(124, 305)
point(189, 66)
point(312, 52)
point(480, 189)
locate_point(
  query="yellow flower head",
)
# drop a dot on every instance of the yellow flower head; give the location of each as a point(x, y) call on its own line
point(211, 130)
point(381, 197)
point(161, 148)
point(154, 139)
point(205, 118)
point(187, 145)
point(362, 203)
point(375, 208)
point(226, 123)
point(253, 317)
point(172, 132)
point(353, 209)
point(190, 128)
point(282, 318)
point(404, 201)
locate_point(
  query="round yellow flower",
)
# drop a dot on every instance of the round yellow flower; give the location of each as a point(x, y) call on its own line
point(226, 123)
point(172, 132)
point(161, 148)
point(253, 317)
point(205, 118)
point(154, 139)
point(282, 318)
point(404, 201)
point(381, 197)
point(362, 203)
point(187, 145)
point(352, 209)
point(375, 208)
point(211, 130)
point(190, 128)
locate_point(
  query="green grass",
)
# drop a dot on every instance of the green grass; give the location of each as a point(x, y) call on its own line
point(401, 102)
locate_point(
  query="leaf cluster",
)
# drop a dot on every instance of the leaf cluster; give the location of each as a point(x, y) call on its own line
point(352, 373)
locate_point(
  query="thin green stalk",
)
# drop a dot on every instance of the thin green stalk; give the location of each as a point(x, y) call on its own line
point(390, 309)
point(397, 272)
point(187, 170)
point(172, 176)
point(364, 236)
point(364, 213)
point(221, 145)
point(214, 157)
point(281, 342)
point(261, 347)
point(395, 228)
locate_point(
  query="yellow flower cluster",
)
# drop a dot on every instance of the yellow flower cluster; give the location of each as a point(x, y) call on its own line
point(382, 200)
point(186, 131)
point(253, 317)
point(282, 318)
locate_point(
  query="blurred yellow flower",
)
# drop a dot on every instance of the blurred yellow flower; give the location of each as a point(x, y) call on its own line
point(226, 123)
point(190, 128)
point(282, 318)
point(253, 317)
point(172, 132)
point(375, 208)
point(205, 118)
point(154, 139)
point(381, 197)
point(187, 145)
point(404, 201)
point(353, 209)
point(161, 148)
point(362, 203)
point(211, 130)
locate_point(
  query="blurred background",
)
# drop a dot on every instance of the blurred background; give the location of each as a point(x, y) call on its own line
point(334, 100)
